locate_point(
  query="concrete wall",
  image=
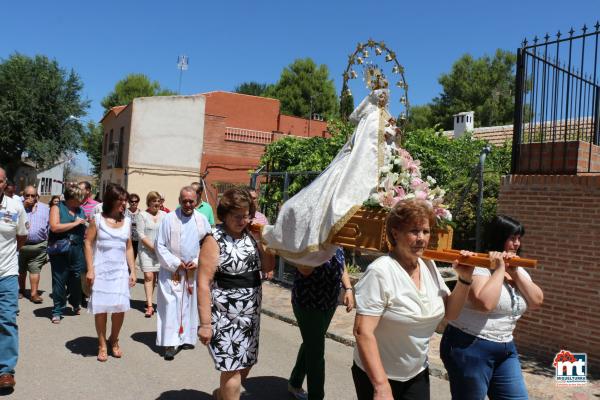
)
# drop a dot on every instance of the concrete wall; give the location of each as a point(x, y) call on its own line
point(173, 125)
point(561, 215)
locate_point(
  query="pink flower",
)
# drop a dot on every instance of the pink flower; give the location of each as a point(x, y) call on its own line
point(421, 194)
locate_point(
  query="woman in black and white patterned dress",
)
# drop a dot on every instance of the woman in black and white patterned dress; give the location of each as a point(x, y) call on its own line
point(229, 279)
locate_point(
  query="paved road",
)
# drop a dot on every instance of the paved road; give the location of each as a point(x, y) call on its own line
point(59, 361)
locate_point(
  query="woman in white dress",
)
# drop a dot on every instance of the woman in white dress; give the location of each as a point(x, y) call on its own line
point(110, 268)
point(308, 221)
point(147, 228)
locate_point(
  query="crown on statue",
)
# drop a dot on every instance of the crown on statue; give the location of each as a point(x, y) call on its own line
point(374, 77)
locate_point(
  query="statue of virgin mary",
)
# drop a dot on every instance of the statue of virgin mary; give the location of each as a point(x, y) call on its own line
point(308, 221)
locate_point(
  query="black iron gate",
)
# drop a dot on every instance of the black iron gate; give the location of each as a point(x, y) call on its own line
point(557, 105)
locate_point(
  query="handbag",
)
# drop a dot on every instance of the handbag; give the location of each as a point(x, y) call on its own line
point(59, 247)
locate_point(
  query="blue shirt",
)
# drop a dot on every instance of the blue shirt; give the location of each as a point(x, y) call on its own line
point(320, 289)
point(38, 218)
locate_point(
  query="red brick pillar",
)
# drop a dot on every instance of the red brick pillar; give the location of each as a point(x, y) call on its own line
point(561, 215)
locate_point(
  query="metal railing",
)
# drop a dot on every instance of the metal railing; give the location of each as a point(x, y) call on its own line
point(557, 105)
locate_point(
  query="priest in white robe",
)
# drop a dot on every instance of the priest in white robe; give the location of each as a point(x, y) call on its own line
point(177, 245)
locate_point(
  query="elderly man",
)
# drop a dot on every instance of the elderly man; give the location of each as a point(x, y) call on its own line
point(177, 245)
point(13, 234)
point(32, 255)
point(88, 203)
point(203, 207)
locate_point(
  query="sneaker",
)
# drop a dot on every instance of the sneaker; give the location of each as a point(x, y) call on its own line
point(297, 393)
point(170, 352)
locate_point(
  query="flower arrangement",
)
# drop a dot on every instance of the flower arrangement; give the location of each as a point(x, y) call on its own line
point(400, 178)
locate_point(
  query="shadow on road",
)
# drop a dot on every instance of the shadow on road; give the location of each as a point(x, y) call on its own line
point(86, 346)
point(265, 388)
point(184, 394)
point(149, 339)
point(139, 305)
point(44, 312)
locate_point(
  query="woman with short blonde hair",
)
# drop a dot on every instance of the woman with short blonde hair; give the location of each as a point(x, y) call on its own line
point(147, 228)
point(400, 300)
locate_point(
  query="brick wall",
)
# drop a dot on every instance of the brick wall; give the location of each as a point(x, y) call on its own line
point(561, 215)
point(570, 157)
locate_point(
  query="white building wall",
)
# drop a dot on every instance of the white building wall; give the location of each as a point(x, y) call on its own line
point(167, 132)
point(56, 174)
point(165, 145)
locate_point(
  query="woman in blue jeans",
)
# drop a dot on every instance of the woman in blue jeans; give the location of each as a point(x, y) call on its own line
point(67, 229)
point(477, 348)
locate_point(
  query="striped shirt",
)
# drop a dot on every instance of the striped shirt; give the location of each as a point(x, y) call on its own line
point(38, 218)
point(88, 207)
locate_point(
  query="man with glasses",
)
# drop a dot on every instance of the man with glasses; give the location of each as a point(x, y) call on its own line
point(177, 246)
point(13, 234)
point(32, 256)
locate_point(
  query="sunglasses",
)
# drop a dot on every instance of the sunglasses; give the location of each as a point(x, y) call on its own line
point(30, 195)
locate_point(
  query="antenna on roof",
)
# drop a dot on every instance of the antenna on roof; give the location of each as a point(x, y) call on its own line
point(182, 65)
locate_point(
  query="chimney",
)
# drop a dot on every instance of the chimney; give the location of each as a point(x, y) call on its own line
point(463, 122)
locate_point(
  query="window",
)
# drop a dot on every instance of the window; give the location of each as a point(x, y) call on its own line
point(105, 150)
point(45, 186)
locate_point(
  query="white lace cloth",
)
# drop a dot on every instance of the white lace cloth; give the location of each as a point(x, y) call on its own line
point(308, 220)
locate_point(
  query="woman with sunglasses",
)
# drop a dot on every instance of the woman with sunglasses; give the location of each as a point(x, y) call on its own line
point(133, 212)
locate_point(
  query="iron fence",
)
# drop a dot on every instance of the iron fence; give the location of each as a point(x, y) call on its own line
point(557, 105)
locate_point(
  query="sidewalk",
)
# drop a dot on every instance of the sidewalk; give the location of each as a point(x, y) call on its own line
point(540, 383)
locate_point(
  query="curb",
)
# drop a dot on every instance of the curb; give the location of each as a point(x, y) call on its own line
point(434, 369)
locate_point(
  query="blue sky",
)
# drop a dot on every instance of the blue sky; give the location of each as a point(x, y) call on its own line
point(229, 42)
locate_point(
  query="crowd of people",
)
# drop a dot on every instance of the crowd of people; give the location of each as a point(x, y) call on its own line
point(207, 279)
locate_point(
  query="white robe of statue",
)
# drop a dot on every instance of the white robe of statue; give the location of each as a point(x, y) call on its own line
point(308, 221)
point(178, 239)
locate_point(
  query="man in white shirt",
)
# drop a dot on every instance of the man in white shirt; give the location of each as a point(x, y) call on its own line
point(177, 245)
point(13, 234)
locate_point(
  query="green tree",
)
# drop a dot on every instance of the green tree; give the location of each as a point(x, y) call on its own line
point(451, 162)
point(420, 117)
point(252, 88)
point(302, 83)
point(132, 86)
point(485, 85)
point(293, 154)
point(346, 104)
point(92, 145)
point(39, 106)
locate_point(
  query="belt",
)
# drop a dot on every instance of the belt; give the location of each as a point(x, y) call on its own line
point(239, 281)
point(34, 243)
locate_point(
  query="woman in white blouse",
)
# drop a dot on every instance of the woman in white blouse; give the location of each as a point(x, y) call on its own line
point(400, 300)
point(147, 226)
point(477, 348)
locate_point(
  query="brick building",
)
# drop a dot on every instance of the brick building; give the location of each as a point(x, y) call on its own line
point(237, 128)
point(162, 143)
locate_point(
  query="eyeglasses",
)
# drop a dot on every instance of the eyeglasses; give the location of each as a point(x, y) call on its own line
point(240, 218)
point(133, 201)
point(188, 201)
point(30, 195)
